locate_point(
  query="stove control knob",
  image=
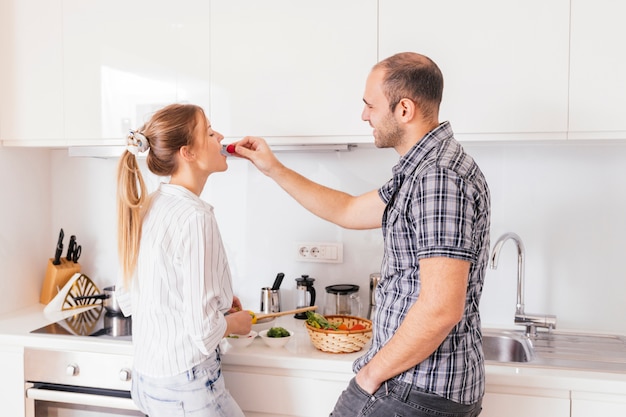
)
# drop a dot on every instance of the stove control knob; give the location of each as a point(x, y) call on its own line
point(125, 375)
point(72, 369)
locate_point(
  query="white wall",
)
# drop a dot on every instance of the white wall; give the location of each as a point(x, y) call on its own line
point(566, 201)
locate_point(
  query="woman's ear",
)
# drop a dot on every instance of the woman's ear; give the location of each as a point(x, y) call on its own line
point(186, 154)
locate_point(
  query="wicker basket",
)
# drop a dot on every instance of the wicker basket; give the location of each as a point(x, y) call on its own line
point(341, 341)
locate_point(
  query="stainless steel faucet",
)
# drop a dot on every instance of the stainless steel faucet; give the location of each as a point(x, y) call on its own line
point(531, 321)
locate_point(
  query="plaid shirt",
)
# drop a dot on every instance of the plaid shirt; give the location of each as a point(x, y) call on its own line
point(438, 204)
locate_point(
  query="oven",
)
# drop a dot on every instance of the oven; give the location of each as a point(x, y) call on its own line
point(70, 383)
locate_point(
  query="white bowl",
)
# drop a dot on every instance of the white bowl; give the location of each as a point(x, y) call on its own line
point(263, 324)
point(241, 341)
point(275, 341)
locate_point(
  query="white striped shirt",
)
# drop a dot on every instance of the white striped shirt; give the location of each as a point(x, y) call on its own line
point(182, 287)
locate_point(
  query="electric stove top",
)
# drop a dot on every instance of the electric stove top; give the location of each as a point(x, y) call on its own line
point(94, 322)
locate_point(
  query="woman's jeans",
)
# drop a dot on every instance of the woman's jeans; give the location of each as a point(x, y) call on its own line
point(397, 399)
point(197, 392)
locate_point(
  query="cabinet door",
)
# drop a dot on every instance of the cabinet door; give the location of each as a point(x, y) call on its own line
point(524, 402)
point(598, 70)
point(587, 404)
point(12, 381)
point(31, 77)
point(505, 64)
point(285, 69)
point(270, 392)
point(123, 60)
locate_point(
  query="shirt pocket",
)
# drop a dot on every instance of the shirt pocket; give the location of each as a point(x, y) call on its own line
point(397, 242)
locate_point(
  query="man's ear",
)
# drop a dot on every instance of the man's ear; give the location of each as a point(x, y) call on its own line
point(406, 109)
point(186, 154)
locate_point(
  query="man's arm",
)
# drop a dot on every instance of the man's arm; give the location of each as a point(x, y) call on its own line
point(437, 310)
point(352, 212)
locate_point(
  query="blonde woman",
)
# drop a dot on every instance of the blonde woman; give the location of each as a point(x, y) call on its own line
point(175, 267)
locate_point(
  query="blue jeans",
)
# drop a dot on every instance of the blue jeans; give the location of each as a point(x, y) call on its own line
point(398, 399)
point(199, 392)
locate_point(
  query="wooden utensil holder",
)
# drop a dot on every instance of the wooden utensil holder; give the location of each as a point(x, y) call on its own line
point(56, 277)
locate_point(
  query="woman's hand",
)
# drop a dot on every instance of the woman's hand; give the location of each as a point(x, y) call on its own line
point(239, 322)
point(236, 306)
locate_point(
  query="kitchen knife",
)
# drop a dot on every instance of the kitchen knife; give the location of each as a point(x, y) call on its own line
point(278, 281)
point(59, 251)
point(70, 247)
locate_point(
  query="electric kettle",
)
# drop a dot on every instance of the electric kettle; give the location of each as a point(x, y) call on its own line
point(305, 294)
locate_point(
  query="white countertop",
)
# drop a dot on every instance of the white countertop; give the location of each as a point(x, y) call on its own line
point(15, 330)
point(299, 354)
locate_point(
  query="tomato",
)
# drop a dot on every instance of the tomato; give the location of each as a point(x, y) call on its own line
point(357, 327)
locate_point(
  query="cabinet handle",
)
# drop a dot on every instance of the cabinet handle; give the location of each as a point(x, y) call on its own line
point(125, 374)
point(72, 369)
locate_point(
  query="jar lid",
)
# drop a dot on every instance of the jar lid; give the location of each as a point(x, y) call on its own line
point(342, 289)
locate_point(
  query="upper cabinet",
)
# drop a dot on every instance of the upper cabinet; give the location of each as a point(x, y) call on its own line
point(123, 60)
point(598, 70)
point(84, 72)
point(287, 70)
point(31, 74)
point(505, 64)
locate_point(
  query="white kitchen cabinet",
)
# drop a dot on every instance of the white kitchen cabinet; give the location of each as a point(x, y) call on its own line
point(31, 74)
point(12, 380)
point(284, 392)
point(123, 60)
point(598, 70)
point(506, 401)
point(505, 64)
point(589, 404)
point(283, 69)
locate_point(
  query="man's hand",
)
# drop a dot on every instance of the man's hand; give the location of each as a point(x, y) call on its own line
point(257, 151)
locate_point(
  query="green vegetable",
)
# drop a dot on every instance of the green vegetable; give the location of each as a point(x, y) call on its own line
point(277, 332)
point(318, 321)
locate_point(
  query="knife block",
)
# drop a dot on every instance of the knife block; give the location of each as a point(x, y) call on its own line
point(56, 277)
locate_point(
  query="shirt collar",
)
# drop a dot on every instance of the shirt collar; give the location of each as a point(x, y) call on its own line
point(410, 161)
point(176, 190)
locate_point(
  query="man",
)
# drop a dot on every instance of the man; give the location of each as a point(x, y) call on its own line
point(426, 354)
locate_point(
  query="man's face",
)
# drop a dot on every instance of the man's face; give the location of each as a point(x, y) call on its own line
point(387, 132)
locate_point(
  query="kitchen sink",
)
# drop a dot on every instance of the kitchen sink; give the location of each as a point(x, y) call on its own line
point(506, 347)
point(551, 349)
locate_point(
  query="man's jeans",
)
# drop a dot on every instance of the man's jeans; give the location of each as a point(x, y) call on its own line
point(398, 399)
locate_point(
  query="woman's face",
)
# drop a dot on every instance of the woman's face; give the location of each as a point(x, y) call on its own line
point(207, 147)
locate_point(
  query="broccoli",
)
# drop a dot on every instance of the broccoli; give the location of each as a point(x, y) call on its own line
point(277, 332)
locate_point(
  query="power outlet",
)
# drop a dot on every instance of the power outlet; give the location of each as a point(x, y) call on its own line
point(329, 252)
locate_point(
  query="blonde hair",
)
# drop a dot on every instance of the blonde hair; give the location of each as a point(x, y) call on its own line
point(169, 129)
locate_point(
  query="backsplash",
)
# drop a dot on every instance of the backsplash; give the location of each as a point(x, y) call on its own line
point(565, 200)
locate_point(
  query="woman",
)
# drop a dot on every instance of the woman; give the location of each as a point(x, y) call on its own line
point(175, 266)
